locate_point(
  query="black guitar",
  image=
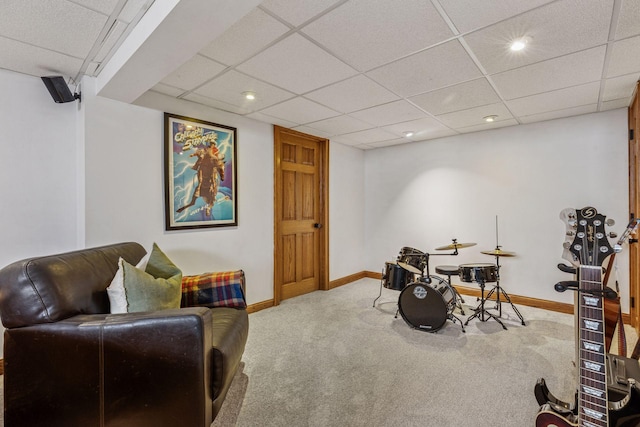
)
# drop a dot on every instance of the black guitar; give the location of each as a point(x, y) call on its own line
point(592, 409)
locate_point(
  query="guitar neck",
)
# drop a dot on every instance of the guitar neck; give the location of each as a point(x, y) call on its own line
point(592, 395)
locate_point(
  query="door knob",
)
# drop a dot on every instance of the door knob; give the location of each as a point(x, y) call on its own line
point(317, 225)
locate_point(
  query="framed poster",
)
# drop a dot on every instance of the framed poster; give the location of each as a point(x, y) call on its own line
point(200, 174)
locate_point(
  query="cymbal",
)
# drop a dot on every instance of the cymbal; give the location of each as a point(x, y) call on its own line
point(455, 246)
point(498, 252)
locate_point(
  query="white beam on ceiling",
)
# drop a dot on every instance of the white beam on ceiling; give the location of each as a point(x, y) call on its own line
point(170, 33)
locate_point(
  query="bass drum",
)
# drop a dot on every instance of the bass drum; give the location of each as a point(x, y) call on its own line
point(427, 306)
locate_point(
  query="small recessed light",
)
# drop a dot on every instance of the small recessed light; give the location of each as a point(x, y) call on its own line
point(249, 95)
point(408, 134)
point(519, 44)
point(490, 119)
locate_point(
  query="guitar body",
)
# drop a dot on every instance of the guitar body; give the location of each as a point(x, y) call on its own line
point(624, 413)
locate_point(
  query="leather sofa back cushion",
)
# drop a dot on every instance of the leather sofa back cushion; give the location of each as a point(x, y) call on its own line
point(51, 288)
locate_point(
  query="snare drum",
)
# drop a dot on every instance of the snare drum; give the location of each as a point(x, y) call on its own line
point(395, 277)
point(478, 272)
point(412, 260)
point(427, 306)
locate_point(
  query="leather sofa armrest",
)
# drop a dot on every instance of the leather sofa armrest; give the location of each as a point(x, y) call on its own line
point(143, 369)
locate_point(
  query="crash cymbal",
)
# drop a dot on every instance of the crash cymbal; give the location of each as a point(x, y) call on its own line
point(498, 252)
point(455, 246)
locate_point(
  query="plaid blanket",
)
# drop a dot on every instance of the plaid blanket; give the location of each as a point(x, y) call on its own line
point(220, 289)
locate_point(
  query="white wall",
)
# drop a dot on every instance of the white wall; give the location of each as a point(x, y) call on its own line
point(346, 211)
point(423, 194)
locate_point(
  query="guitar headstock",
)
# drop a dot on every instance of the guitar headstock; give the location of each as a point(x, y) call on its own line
point(568, 217)
point(590, 245)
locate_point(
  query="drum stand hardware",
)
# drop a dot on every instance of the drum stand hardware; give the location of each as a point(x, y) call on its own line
point(481, 312)
point(498, 290)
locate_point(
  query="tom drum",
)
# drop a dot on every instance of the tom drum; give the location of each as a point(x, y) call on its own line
point(478, 273)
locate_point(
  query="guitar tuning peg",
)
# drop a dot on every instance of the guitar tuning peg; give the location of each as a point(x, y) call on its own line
point(613, 235)
point(566, 245)
point(610, 222)
point(572, 222)
point(571, 233)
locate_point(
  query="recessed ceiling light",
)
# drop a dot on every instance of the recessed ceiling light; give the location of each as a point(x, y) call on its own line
point(519, 44)
point(408, 134)
point(249, 95)
point(490, 119)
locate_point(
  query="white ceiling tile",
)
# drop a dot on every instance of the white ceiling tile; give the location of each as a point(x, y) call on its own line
point(168, 90)
point(389, 143)
point(272, 120)
point(369, 136)
point(471, 15)
point(458, 97)
point(117, 30)
point(369, 33)
point(550, 115)
point(297, 65)
point(393, 112)
point(340, 125)
point(556, 29)
point(28, 59)
point(421, 128)
point(245, 38)
point(103, 6)
point(132, 8)
point(619, 87)
point(474, 116)
point(556, 100)
point(38, 23)
point(215, 103)
point(297, 12)
point(300, 111)
point(355, 93)
point(489, 126)
point(625, 57)
point(193, 73)
point(628, 19)
point(230, 86)
point(430, 69)
point(570, 70)
point(614, 104)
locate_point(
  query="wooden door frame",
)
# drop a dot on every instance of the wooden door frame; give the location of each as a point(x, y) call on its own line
point(634, 209)
point(323, 204)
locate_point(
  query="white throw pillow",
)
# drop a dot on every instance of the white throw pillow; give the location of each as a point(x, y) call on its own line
point(116, 292)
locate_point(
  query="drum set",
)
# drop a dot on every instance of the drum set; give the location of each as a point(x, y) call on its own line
point(427, 301)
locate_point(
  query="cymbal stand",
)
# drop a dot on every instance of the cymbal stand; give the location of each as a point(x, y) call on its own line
point(499, 291)
point(480, 311)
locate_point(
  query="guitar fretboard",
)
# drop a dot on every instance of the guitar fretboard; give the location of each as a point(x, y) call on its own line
point(593, 377)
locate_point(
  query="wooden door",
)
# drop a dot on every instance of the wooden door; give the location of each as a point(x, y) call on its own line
point(301, 214)
point(634, 209)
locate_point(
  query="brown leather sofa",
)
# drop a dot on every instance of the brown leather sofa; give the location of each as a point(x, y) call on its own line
point(68, 362)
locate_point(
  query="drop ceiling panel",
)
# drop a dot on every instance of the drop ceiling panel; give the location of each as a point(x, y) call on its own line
point(384, 144)
point(168, 90)
point(273, 120)
point(619, 87)
point(297, 65)
point(468, 16)
point(565, 71)
point(340, 125)
point(230, 86)
point(132, 8)
point(369, 135)
point(489, 126)
point(103, 6)
point(430, 69)
point(245, 38)
point(369, 33)
point(616, 103)
point(625, 57)
point(38, 23)
point(393, 112)
point(193, 73)
point(457, 97)
point(558, 114)
point(556, 29)
point(215, 103)
point(421, 128)
point(559, 100)
point(297, 12)
point(355, 93)
point(28, 59)
point(628, 19)
point(474, 116)
point(300, 111)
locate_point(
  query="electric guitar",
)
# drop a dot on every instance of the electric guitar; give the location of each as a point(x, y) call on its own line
point(590, 247)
